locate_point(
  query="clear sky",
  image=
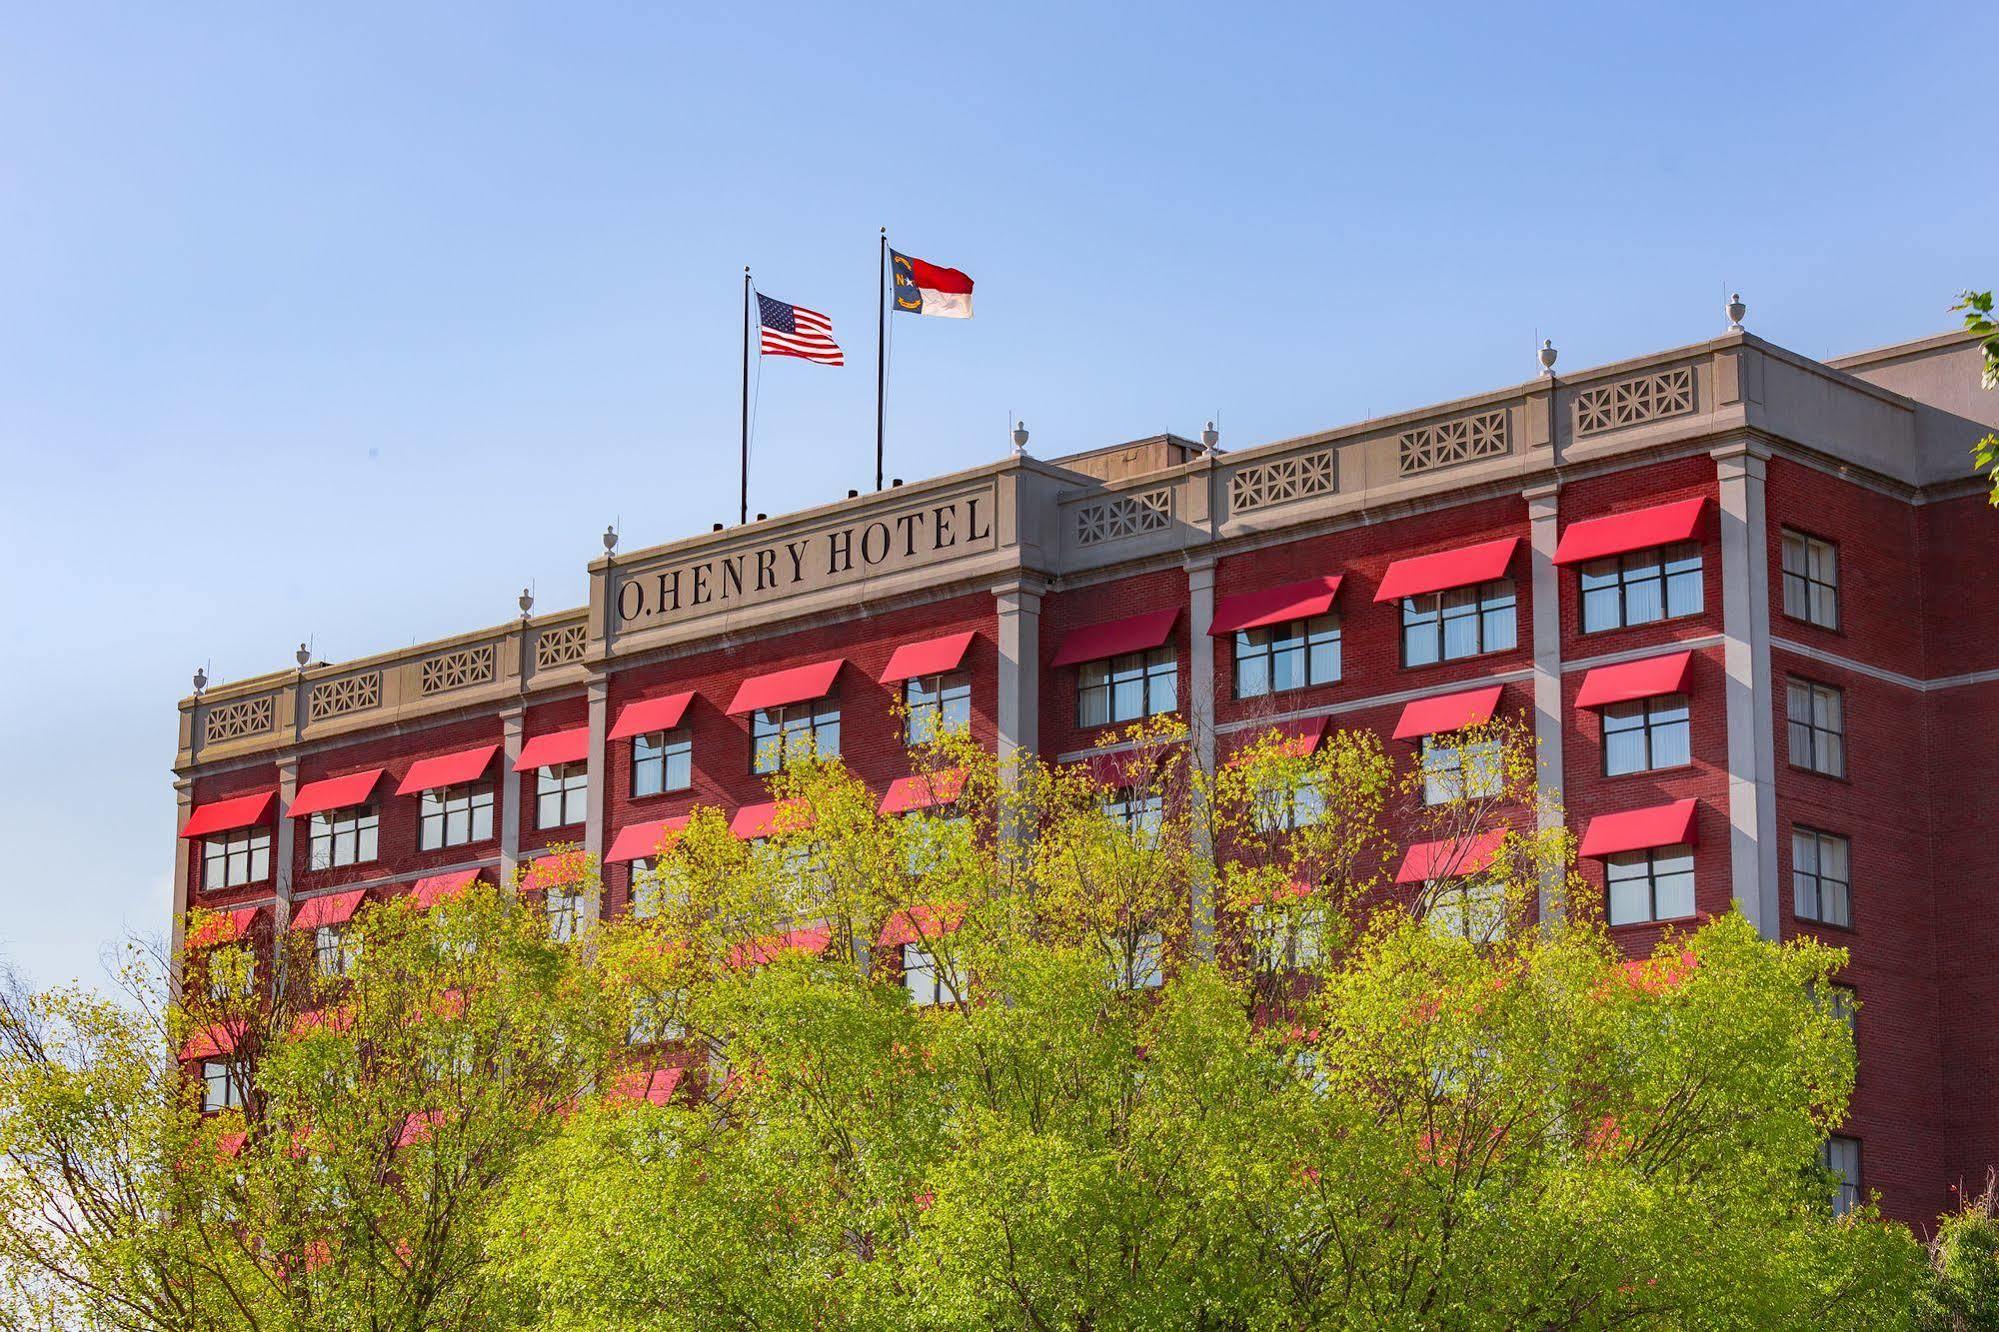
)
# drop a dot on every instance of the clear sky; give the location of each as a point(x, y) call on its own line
point(343, 322)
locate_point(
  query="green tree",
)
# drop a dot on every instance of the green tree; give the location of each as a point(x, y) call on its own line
point(1963, 1292)
point(1977, 307)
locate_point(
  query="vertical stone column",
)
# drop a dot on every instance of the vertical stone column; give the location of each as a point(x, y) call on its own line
point(284, 845)
point(1542, 512)
point(183, 866)
point(1201, 738)
point(512, 722)
point(1019, 709)
point(1745, 614)
point(596, 808)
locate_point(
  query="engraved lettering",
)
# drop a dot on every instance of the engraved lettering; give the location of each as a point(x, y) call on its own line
point(908, 523)
point(732, 575)
point(839, 551)
point(972, 520)
point(700, 597)
point(868, 534)
point(796, 549)
point(630, 607)
point(941, 534)
point(669, 591)
point(766, 568)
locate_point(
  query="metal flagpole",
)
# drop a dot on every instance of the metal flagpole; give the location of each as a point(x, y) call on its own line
point(881, 362)
point(744, 516)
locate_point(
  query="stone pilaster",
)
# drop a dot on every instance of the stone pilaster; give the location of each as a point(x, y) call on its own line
point(1542, 512)
point(1201, 737)
point(512, 723)
point(284, 845)
point(1019, 710)
point(1745, 613)
point(598, 805)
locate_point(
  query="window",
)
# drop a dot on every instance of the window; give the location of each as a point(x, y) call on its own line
point(935, 705)
point(1124, 689)
point(342, 837)
point(920, 976)
point(1820, 889)
point(219, 1089)
point(1841, 1156)
point(335, 953)
point(1286, 808)
point(453, 816)
point(930, 838)
point(1287, 656)
point(232, 974)
point(661, 761)
point(1473, 909)
point(1142, 967)
point(565, 914)
point(562, 795)
point(781, 737)
point(236, 858)
point(1460, 772)
point(1811, 580)
point(1643, 586)
point(1283, 939)
point(1650, 885)
point(1141, 812)
point(1818, 727)
point(1839, 1001)
point(644, 899)
point(653, 1021)
point(1458, 622)
point(1647, 733)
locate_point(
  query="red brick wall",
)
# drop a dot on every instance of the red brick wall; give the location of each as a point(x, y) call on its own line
point(1621, 492)
point(1076, 608)
point(224, 786)
point(541, 719)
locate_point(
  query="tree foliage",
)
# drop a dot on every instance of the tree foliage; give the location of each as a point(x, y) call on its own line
point(1977, 307)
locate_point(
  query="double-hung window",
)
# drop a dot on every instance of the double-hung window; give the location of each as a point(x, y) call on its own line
point(1811, 580)
point(343, 837)
point(662, 761)
point(1650, 885)
point(1286, 939)
point(565, 914)
point(232, 974)
point(1143, 965)
point(1642, 586)
point(230, 860)
point(1469, 908)
point(1127, 688)
point(1284, 808)
point(1817, 716)
point(783, 737)
point(934, 705)
point(335, 951)
point(561, 795)
point(1841, 1156)
point(655, 1019)
point(1458, 622)
point(453, 816)
point(219, 1087)
point(1821, 889)
point(1647, 733)
point(1461, 772)
point(1141, 812)
point(925, 981)
point(1278, 657)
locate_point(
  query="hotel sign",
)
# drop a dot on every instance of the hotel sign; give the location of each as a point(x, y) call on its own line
point(931, 530)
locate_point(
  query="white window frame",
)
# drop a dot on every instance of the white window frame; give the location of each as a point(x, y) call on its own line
point(564, 910)
point(1128, 688)
point(934, 705)
point(1840, 1154)
point(1278, 658)
point(339, 837)
point(923, 979)
point(221, 1089)
point(561, 795)
point(234, 859)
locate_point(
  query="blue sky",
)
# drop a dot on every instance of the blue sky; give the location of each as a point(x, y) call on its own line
point(345, 322)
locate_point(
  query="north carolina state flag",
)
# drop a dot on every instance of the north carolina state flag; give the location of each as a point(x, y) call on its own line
point(922, 288)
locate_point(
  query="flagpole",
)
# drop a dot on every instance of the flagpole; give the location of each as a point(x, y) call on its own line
point(744, 515)
point(881, 361)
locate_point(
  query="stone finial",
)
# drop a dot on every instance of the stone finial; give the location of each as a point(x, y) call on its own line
point(1735, 310)
point(1547, 356)
point(303, 656)
point(1210, 437)
point(1019, 438)
point(610, 538)
point(200, 680)
point(526, 602)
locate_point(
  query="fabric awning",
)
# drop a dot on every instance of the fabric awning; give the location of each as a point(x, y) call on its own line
point(1449, 858)
point(419, 1127)
point(1638, 529)
point(1447, 712)
point(757, 952)
point(1447, 568)
point(224, 927)
point(335, 793)
point(553, 748)
point(1635, 679)
point(328, 909)
point(467, 765)
point(1640, 829)
point(922, 921)
point(1124, 767)
point(1275, 605)
point(217, 1038)
point(642, 841)
point(795, 685)
point(1114, 638)
point(646, 715)
point(754, 821)
point(218, 816)
point(933, 656)
point(557, 869)
point(923, 790)
point(435, 888)
point(646, 1084)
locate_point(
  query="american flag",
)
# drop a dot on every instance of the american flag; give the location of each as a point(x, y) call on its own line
point(793, 330)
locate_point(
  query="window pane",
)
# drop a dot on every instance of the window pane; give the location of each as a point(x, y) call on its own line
point(1673, 884)
point(1287, 666)
point(1624, 738)
point(1672, 733)
point(1419, 631)
point(1093, 706)
point(1252, 669)
point(1630, 889)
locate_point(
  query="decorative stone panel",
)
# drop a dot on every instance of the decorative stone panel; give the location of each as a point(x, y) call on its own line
point(455, 670)
point(337, 698)
point(1283, 480)
point(559, 646)
point(1449, 443)
point(1630, 402)
point(1125, 516)
point(240, 717)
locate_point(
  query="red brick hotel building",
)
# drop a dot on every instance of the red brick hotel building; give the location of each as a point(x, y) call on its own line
point(1748, 600)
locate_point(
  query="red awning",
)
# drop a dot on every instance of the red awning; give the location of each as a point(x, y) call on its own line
point(1447, 712)
point(244, 811)
point(467, 765)
point(1640, 529)
point(753, 821)
point(334, 793)
point(1635, 679)
point(642, 841)
point(651, 714)
point(933, 656)
point(557, 869)
point(432, 889)
point(1114, 638)
point(1297, 737)
point(1447, 568)
point(217, 1038)
point(226, 927)
point(655, 1085)
point(922, 921)
point(327, 909)
point(556, 747)
point(1275, 605)
point(1640, 829)
point(795, 685)
point(1449, 858)
point(924, 790)
point(759, 951)
point(1125, 767)
point(418, 1127)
